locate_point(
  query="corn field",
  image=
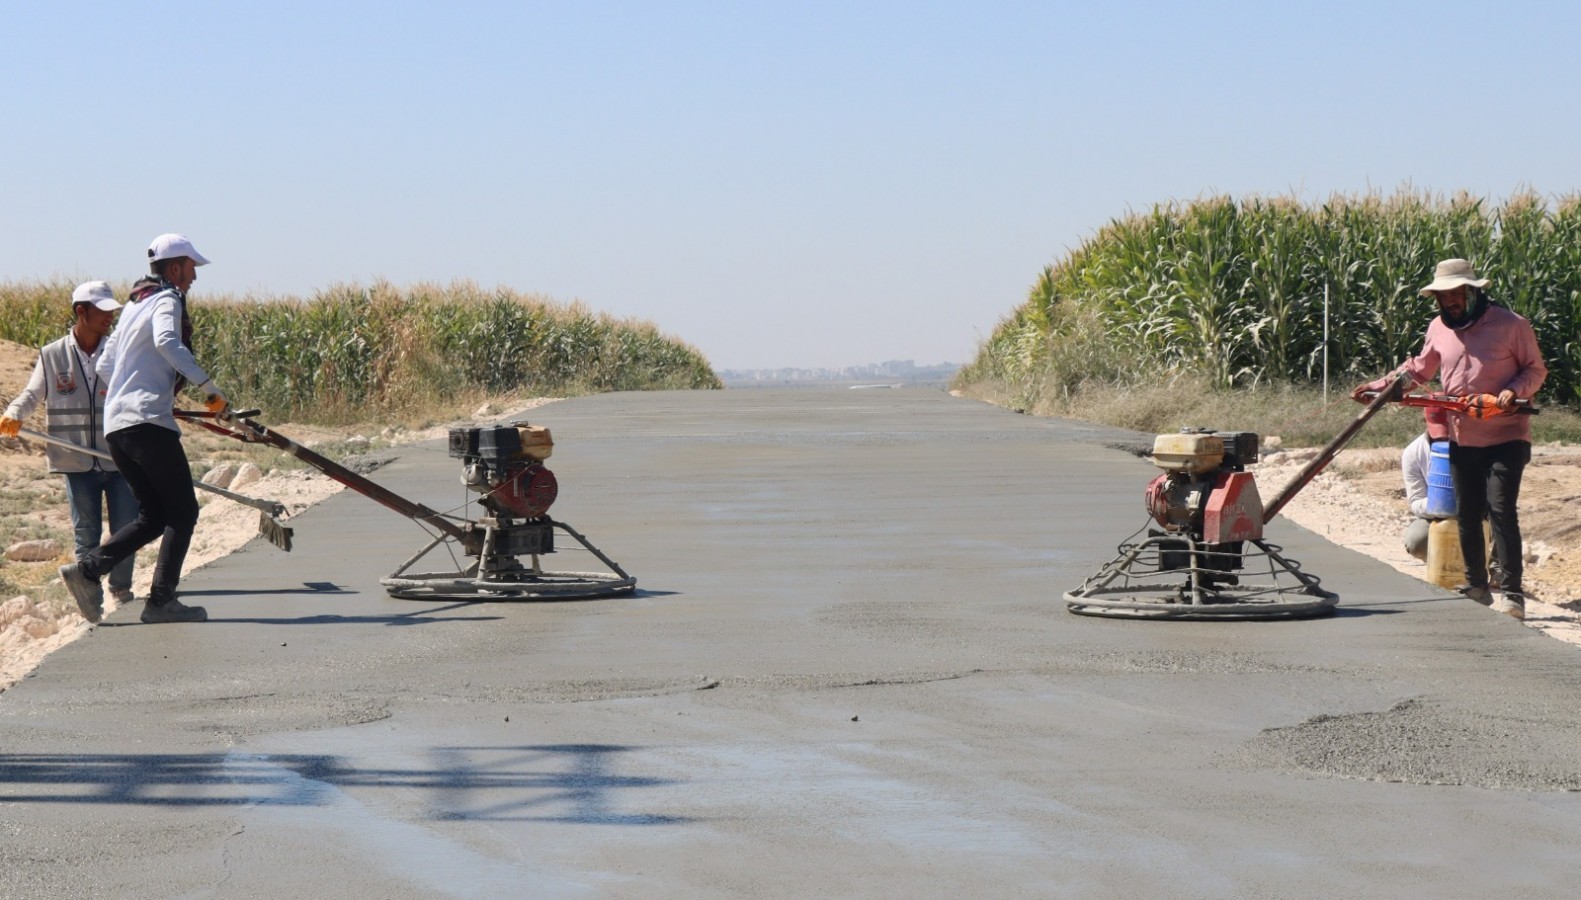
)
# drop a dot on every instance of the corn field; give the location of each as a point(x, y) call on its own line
point(1234, 291)
point(350, 350)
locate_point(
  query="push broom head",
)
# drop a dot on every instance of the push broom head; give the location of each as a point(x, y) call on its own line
point(273, 530)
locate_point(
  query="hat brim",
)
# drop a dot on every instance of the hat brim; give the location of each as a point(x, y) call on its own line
point(108, 304)
point(1452, 282)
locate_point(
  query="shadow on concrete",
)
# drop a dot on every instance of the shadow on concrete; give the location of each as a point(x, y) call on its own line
point(418, 617)
point(1364, 609)
point(308, 587)
point(1383, 604)
point(574, 784)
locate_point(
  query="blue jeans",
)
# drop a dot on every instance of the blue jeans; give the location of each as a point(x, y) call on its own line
point(88, 493)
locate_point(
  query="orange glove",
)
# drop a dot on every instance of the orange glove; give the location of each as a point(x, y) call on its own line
point(1484, 406)
point(214, 401)
point(10, 427)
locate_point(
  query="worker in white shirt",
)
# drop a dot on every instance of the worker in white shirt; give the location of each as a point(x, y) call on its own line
point(146, 363)
point(1414, 463)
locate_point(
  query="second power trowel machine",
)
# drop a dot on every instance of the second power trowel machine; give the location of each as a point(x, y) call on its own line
point(496, 555)
point(1208, 558)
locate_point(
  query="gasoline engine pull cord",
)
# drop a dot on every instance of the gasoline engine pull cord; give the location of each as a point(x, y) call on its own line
point(1332, 449)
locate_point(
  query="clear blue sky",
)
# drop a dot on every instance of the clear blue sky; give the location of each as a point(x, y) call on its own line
point(802, 184)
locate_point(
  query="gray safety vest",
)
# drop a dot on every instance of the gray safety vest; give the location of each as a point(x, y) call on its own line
point(73, 408)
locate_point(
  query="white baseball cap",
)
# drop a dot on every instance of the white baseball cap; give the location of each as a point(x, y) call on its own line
point(97, 293)
point(175, 246)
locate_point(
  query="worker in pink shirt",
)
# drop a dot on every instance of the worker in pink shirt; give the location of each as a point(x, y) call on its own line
point(1475, 346)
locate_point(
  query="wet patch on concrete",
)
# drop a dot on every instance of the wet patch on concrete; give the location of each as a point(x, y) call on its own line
point(576, 691)
point(271, 713)
point(898, 621)
point(1183, 662)
point(1422, 742)
point(834, 681)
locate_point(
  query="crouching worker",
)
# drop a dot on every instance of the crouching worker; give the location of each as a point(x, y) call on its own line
point(1414, 465)
point(64, 380)
point(146, 364)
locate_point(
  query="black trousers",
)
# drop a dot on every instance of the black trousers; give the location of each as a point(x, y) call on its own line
point(1487, 485)
point(152, 461)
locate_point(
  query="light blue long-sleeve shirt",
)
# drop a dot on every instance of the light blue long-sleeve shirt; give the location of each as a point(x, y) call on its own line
point(141, 362)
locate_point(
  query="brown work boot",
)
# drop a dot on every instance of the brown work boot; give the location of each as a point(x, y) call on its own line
point(1480, 594)
point(88, 592)
point(172, 610)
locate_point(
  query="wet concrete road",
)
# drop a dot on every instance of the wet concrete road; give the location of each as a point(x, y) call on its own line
point(847, 672)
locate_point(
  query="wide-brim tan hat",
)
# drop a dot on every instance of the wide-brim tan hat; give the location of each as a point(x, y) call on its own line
point(1452, 273)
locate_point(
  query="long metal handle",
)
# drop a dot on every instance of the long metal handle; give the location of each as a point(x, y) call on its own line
point(272, 507)
point(1311, 470)
point(248, 429)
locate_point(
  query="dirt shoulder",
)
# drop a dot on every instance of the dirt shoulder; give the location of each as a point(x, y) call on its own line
point(1359, 503)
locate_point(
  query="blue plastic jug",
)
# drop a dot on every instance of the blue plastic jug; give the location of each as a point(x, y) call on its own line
point(1440, 487)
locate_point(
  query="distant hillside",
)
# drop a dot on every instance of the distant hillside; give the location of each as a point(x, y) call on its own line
point(901, 372)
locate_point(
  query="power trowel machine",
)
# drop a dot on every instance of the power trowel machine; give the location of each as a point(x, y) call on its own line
point(497, 555)
point(1207, 558)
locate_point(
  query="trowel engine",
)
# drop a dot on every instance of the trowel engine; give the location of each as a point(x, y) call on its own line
point(505, 465)
point(1206, 558)
point(1205, 494)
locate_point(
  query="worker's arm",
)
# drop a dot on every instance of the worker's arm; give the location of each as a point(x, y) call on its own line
point(167, 340)
point(1533, 371)
point(1413, 469)
point(25, 402)
point(1421, 368)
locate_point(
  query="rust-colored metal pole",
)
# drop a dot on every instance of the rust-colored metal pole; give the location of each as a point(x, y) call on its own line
point(1311, 470)
point(248, 430)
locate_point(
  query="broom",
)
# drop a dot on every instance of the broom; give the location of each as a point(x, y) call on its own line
point(269, 511)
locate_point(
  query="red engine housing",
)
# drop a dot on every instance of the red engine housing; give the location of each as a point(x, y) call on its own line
point(1217, 507)
point(527, 491)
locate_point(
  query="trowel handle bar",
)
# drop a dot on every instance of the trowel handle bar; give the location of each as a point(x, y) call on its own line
point(1311, 470)
point(1523, 405)
point(243, 428)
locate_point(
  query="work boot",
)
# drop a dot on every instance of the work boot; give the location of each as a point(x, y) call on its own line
point(1512, 604)
point(172, 610)
point(88, 592)
point(1480, 594)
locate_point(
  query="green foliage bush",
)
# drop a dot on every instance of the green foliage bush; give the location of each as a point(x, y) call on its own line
point(1233, 291)
point(352, 350)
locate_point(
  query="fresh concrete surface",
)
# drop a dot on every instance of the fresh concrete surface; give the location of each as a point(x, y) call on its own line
point(847, 671)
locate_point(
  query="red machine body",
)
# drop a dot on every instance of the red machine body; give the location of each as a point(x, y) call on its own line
point(527, 490)
point(1217, 507)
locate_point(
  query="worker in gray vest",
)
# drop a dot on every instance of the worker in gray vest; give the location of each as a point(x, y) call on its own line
point(64, 380)
point(147, 362)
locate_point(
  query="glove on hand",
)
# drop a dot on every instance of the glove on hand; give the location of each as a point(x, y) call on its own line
point(10, 427)
point(215, 402)
point(1484, 406)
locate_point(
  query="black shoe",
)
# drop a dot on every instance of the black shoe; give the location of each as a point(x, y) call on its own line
point(88, 592)
point(172, 611)
point(1480, 594)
